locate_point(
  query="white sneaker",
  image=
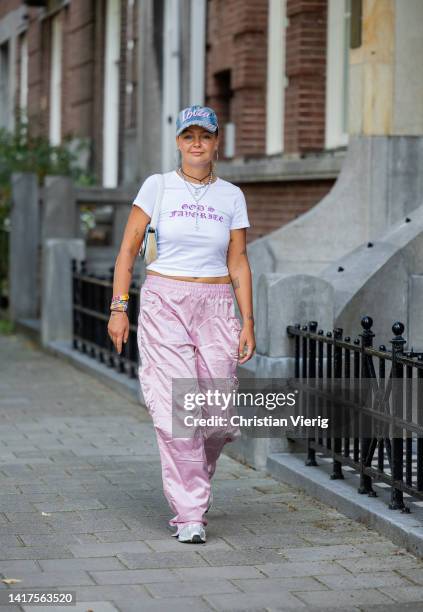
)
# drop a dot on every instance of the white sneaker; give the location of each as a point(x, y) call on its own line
point(192, 534)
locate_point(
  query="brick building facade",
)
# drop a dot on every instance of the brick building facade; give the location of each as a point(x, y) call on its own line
point(237, 74)
point(76, 49)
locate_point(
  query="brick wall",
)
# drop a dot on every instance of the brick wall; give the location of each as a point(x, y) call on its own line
point(78, 83)
point(306, 72)
point(82, 73)
point(237, 42)
point(236, 88)
point(83, 26)
point(271, 205)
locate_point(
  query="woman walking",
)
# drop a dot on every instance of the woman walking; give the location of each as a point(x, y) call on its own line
point(187, 328)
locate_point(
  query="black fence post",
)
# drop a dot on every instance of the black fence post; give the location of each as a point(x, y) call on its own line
point(311, 379)
point(83, 302)
point(366, 341)
point(419, 466)
point(329, 375)
point(356, 442)
point(337, 374)
point(397, 468)
point(76, 301)
point(304, 377)
point(347, 376)
point(382, 386)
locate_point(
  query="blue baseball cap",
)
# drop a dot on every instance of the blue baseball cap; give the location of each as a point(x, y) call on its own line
point(203, 116)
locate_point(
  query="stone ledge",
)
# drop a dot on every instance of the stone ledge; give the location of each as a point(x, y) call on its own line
point(267, 169)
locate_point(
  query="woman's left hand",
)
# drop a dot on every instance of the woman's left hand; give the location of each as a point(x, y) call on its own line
point(247, 343)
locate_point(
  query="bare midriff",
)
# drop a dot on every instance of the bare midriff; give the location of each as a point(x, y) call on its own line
point(195, 279)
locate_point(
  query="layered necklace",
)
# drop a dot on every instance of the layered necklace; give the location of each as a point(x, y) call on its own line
point(197, 192)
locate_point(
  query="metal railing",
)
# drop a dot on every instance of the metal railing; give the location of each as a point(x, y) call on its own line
point(4, 266)
point(92, 295)
point(394, 403)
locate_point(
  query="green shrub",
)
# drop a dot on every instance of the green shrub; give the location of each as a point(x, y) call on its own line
point(21, 151)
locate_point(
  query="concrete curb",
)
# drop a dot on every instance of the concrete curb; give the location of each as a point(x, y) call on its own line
point(403, 529)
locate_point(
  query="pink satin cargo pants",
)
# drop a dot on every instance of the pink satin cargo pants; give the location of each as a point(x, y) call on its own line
point(186, 330)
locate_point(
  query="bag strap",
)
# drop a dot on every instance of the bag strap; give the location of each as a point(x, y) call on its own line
point(158, 203)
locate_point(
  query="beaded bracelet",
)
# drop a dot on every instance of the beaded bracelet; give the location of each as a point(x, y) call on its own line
point(119, 306)
point(124, 296)
point(120, 302)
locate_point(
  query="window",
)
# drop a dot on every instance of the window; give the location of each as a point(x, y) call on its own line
point(223, 103)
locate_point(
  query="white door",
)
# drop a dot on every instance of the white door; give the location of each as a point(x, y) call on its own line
point(111, 95)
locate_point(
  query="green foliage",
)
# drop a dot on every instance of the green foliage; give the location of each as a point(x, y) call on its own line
point(6, 327)
point(21, 151)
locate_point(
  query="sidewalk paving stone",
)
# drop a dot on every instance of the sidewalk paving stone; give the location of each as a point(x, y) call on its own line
point(185, 558)
point(105, 606)
point(253, 602)
point(53, 579)
point(75, 450)
point(103, 549)
point(355, 597)
point(286, 569)
point(134, 576)
point(404, 594)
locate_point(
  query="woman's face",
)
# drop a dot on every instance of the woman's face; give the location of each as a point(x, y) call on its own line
point(197, 146)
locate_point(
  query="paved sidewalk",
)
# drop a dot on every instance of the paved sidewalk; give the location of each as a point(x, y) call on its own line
point(77, 452)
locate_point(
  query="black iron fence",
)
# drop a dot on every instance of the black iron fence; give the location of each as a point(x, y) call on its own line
point(4, 265)
point(92, 295)
point(394, 403)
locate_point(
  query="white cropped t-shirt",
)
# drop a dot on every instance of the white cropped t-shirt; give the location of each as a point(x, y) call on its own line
point(188, 246)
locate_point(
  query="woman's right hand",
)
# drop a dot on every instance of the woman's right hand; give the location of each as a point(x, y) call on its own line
point(118, 328)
